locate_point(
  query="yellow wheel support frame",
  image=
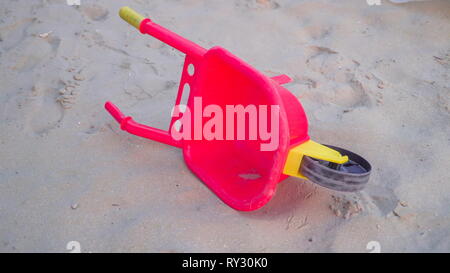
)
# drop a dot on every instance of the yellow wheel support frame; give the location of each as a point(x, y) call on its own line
point(311, 149)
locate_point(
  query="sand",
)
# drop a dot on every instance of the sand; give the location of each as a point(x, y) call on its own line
point(372, 79)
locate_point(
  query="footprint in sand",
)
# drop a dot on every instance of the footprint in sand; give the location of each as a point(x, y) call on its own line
point(95, 12)
point(339, 80)
point(42, 111)
point(32, 52)
point(13, 34)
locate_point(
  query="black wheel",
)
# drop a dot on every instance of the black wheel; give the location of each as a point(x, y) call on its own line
point(350, 176)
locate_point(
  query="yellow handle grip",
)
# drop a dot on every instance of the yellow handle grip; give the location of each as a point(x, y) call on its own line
point(132, 17)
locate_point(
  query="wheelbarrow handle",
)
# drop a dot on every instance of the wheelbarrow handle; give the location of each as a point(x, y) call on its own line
point(146, 26)
point(132, 127)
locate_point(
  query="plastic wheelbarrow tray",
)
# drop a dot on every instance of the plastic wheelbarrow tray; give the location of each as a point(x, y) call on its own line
point(238, 170)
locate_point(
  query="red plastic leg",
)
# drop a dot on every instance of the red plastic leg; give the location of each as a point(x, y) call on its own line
point(171, 38)
point(132, 127)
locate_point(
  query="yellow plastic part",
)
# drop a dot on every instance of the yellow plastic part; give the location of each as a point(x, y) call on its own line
point(311, 149)
point(132, 17)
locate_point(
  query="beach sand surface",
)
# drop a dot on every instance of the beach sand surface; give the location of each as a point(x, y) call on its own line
point(372, 79)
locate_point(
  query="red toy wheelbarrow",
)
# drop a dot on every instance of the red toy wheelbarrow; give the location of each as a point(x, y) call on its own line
point(238, 171)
